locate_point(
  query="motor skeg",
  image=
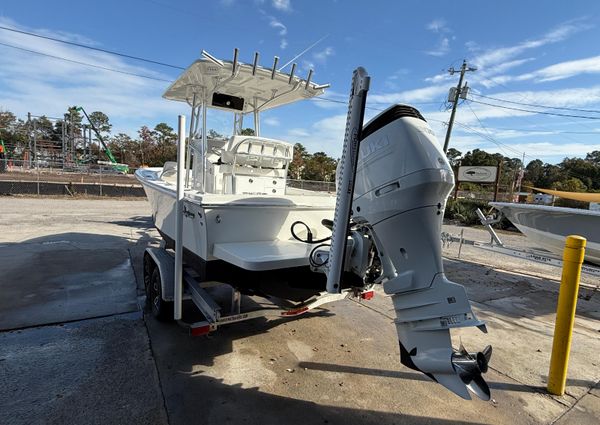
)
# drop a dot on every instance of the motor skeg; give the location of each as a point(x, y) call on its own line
point(402, 181)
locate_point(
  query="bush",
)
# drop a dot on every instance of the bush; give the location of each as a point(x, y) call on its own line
point(463, 211)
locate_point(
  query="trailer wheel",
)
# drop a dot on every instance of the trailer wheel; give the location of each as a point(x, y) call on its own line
point(161, 309)
point(148, 268)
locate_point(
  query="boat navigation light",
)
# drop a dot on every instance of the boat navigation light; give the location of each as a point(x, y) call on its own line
point(255, 64)
point(274, 70)
point(310, 73)
point(292, 73)
point(235, 60)
point(212, 58)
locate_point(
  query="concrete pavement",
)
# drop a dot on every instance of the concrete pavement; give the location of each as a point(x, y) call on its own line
point(337, 365)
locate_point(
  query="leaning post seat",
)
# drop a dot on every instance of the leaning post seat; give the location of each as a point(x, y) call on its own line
point(251, 165)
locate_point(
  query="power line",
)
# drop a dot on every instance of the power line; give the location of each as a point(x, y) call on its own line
point(542, 130)
point(569, 173)
point(345, 102)
point(84, 46)
point(556, 114)
point(594, 111)
point(85, 63)
point(490, 136)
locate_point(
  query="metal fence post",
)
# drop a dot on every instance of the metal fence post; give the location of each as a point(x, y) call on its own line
point(565, 313)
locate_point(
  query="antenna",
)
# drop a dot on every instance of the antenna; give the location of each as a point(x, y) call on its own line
point(255, 64)
point(212, 58)
point(304, 51)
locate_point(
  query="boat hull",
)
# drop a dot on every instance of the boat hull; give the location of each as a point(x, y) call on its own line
point(222, 219)
point(549, 226)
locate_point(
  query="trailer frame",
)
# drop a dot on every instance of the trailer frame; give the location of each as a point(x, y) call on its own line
point(218, 314)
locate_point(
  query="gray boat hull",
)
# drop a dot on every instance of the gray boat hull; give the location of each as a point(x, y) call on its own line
point(549, 226)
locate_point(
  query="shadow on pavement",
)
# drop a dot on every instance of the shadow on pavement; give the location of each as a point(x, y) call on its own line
point(413, 376)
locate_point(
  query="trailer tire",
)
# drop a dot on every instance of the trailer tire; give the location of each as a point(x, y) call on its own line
point(161, 309)
point(149, 266)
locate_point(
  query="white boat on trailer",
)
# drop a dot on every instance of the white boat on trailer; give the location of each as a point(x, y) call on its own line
point(548, 226)
point(241, 225)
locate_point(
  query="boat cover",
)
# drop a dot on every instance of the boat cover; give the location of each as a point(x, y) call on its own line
point(575, 196)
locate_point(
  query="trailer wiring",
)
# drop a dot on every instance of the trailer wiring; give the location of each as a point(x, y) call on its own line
point(309, 235)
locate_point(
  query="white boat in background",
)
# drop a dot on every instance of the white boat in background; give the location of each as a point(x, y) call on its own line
point(549, 226)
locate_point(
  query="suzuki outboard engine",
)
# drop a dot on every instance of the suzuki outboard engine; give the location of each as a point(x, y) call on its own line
point(399, 180)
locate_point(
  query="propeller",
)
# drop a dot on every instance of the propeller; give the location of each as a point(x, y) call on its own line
point(470, 366)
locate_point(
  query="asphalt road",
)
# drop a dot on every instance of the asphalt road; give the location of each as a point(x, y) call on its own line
point(76, 347)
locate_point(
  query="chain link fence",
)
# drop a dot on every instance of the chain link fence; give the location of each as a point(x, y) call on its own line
point(47, 178)
point(312, 185)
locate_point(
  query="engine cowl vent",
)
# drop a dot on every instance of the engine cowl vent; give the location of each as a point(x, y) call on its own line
point(391, 114)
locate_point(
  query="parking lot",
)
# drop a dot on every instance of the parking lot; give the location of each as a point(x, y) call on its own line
point(76, 346)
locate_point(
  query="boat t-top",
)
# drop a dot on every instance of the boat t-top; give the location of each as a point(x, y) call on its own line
point(228, 213)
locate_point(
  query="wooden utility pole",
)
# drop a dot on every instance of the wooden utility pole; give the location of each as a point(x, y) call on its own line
point(457, 94)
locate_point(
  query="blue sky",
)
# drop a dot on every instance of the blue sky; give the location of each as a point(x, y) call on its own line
point(527, 52)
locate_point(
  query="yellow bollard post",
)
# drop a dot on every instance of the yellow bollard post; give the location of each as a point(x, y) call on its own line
point(565, 313)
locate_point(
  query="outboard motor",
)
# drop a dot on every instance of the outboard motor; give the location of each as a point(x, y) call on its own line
point(400, 179)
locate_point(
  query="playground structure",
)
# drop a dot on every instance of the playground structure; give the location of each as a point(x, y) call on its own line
point(68, 144)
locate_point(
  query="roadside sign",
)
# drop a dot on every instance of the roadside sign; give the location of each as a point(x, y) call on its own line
point(478, 174)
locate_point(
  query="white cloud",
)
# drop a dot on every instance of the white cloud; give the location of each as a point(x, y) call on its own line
point(307, 65)
point(323, 54)
point(424, 94)
point(274, 23)
point(493, 62)
point(284, 5)
point(279, 27)
point(564, 70)
point(572, 97)
point(553, 149)
point(326, 135)
point(472, 46)
point(44, 85)
point(391, 81)
point(495, 56)
point(297, 133)
point(272, 121)
point(437, 25)
point(441, 49)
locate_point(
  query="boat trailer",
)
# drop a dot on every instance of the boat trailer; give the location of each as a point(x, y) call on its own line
point(207, 296)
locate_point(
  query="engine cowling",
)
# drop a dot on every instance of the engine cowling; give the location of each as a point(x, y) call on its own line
point(402, 181)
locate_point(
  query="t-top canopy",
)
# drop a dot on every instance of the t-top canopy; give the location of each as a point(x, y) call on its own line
point(250, 88)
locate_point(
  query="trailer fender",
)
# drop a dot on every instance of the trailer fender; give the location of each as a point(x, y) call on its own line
point(166, 267)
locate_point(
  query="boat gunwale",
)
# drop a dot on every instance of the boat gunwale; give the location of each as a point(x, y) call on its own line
point(238, 200)
point(548, 208)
